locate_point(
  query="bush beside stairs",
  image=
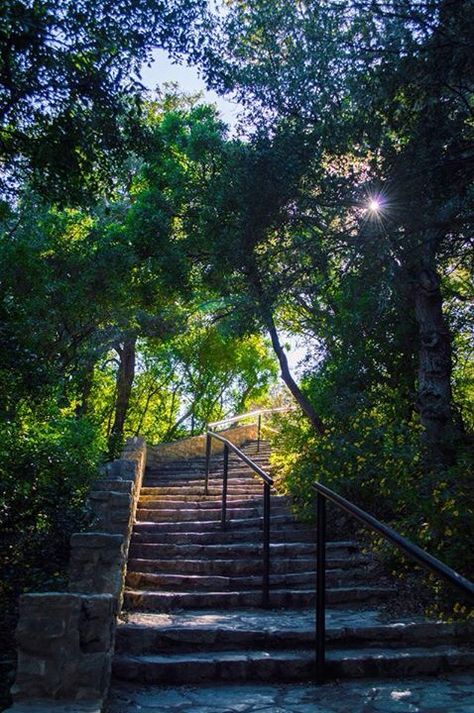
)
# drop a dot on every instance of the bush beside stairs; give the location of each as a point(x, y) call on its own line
point(193, 592)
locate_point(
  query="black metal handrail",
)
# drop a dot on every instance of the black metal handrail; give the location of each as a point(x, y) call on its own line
point(267, 483)
point(412, 550)
point(250, 414)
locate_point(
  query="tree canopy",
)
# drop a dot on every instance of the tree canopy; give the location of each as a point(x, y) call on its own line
point(153, 265)
point(70, 86)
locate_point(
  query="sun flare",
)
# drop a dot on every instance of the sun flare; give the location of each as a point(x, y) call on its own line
point(374, 205)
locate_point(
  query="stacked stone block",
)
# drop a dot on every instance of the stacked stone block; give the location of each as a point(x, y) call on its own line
point(65, 640)
point(195, 446)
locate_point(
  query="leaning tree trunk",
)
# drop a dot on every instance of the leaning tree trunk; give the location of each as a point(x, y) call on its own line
point(287, 377)
point(125, 376)
point(269, 322)
point(434, 394)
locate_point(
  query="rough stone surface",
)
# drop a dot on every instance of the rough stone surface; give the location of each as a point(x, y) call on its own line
point(65, 645)
point(194, 446)
point(112, 511)
point(449, 694)
point(120, 486)
point(141, 632)
point(121, 469)
point(48, 706)
point(65, 640)
point(96, 563)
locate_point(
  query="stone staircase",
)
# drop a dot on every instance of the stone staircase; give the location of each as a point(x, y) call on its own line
point(193, 592)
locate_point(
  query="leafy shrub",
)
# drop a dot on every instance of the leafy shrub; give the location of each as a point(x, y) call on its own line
point(376, 462)
point(45, 471)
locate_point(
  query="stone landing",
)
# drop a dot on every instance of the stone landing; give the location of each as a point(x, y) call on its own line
point(449, 694)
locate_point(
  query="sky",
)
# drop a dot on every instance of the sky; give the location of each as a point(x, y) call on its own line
point(164, 70)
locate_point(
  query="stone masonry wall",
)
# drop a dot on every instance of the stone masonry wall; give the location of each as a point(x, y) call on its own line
point(195, 446)
point(64, 646)
point(65, 640)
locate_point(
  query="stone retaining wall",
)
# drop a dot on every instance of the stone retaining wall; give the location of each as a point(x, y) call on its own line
point(195, 447)
point(65, 640)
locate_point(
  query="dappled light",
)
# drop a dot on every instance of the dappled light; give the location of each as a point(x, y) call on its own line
point(298, 282)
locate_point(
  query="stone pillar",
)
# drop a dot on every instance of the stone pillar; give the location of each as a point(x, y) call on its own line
point(65, 645)
point(113, 510)
point(65, 640)
point(96, 563)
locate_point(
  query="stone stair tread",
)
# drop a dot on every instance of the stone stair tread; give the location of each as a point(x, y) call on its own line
point(152, 632)
point(332, 655)
point(278, 547)
point(207, 503)
point(193, 595)
point(272, 618)
point(198, 582)
point(188, 657)
point(142, 638)
point(180, 526)
point(287, 664)
point(218, 539)
point(302, 596)
point(199, 497)
point(251, 565)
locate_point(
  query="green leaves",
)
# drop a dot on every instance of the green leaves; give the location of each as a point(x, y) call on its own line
point(67, 90)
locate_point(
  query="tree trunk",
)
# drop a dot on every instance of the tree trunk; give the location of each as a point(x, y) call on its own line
point(301, 399)
point(434, 395)
point(267, 317)
point(87, 384)
point(125, 376)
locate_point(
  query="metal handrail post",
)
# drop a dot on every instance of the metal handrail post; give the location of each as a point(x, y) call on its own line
point(208, 462)
point(413, 551)
point(259, 431)
point(266, 547)
point(268, 483)
point(224, 486)
point(320, 588)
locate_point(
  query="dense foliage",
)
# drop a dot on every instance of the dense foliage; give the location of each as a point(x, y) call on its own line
point(352, 228)
point(147, 259)
point(70, 86)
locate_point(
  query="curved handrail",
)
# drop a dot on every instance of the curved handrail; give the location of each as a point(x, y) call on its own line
point(413, 551)
point(258, 412)
point(267, 483)
point(248, 461)
point(416, 553)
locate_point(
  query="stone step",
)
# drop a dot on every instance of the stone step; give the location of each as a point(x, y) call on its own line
point(262, 665)
point(156, 502)
point(279, 565)
point(153, 581)
point(249, 486)
point(206, 514)
point(210, 547)
point(215, 474)
point(166, 601)
point(293, 536)
point(191, 514)
point(215, 491)
point(213, 497)
point(268, 629)
point(261, 459)
point(251, 451)
point(200, 461)
point(210, 525)
point(236, 566)
point(216, 465)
